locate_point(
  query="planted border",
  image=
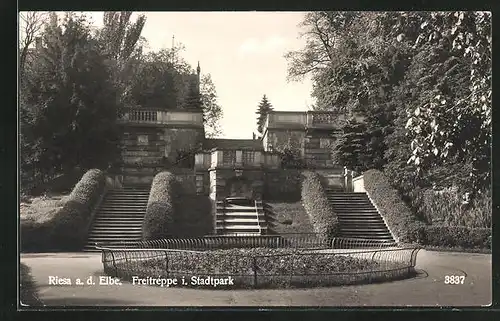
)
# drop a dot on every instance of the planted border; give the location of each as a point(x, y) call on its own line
point(324, 220)
point(401, 221)
point(68, 229)
point(159, 218)
point(457, 236)
point(261, 267)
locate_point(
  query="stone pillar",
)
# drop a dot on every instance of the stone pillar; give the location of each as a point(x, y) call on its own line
point(239, 158)
point(258, 158)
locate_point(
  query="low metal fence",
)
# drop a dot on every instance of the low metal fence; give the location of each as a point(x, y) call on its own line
point(290, 240)
point(258, 267)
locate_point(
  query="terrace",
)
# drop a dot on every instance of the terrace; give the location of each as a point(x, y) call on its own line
point(155, 117)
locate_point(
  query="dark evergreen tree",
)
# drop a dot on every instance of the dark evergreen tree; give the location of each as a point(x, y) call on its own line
point(350, 149)
point(264, 108)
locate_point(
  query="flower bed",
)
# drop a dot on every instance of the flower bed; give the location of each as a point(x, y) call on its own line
point(258, 267)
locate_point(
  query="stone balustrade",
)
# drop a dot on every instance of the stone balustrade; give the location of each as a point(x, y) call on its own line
point(162, 117)
point(236, 159)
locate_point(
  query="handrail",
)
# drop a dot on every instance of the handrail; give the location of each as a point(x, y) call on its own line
point(257, 214)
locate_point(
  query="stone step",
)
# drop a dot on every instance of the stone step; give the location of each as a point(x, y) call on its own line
point(364, 230)
point(242, 234)
point(241, 227)
point(353, 204)
point(239, 221)
point(115, 227)
point(114, 237)
point(118, 219)
point(112, 210)
point(118, 206)
point(363, 226)
point(343, 216)
point(240, 215)
point(92, 236)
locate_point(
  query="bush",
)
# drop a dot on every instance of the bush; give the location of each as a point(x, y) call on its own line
point(317, 206)
point(457, 236)
point(447, 208)
point(401, 221)
point(68, 228)
point(28, 293)
point(159, 218)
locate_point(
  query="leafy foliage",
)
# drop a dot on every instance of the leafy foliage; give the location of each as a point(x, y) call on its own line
point(212, 110)
point(68, 103)
point(422, 83)
point(401, 221)
point(457, 236)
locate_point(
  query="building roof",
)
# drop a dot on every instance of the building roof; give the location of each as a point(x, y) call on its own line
point(243, 144)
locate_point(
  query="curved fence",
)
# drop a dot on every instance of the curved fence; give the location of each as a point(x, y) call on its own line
point(217, 262)
point(291, 240)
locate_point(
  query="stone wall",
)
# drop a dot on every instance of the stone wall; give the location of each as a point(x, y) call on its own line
point(142, 145)
point(282, 185)
point(317, 150)
point(221, 180)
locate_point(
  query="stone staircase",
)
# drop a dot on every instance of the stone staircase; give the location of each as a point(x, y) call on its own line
point(119, 216)
point(358, 217)
point(240, 217)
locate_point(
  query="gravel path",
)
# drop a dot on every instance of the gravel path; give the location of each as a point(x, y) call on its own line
point(426, 289)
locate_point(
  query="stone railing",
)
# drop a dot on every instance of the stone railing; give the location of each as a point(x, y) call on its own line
point(162, 117)
point(285, 119)
point(322, 119)
point(236, 158)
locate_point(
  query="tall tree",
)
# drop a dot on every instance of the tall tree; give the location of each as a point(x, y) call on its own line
point(69, 108)
point(264, 108)
point(31, 27)
point(121, 40)
point(212, 110)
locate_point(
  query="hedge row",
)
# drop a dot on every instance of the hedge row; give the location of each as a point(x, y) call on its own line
point(401, 221)
point(68, 228)
point(159, 218)
point(317, 206)
point(456, 236)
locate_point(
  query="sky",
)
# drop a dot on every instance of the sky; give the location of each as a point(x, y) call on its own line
point(244, 54)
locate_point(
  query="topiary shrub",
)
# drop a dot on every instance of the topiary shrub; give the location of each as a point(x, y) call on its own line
point(457, 236)
point(70, 224)
point(317, 206)
point(159, 218)
point(401, 221)
point(68, 228)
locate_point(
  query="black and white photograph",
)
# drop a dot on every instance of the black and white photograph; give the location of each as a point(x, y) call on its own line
point(322, 159)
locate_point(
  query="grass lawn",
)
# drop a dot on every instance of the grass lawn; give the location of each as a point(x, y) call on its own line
point(288, 217)
point(41, 208)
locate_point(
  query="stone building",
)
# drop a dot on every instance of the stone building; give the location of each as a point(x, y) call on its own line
point(156, 139)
